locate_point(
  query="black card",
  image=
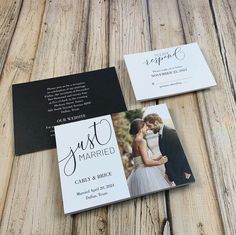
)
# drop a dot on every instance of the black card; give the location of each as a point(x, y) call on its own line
point(40, 105)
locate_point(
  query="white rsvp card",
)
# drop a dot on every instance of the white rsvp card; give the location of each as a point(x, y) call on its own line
point(170, 71)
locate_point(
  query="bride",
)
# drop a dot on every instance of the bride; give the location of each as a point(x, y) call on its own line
point(145, 177)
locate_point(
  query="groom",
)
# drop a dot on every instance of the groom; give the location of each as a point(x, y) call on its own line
point(177, 167)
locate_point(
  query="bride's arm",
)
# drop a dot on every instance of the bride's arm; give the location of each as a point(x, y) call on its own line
point(144, 154)
point(158, 158)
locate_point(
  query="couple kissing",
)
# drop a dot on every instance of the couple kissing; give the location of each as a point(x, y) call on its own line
point(158, 156)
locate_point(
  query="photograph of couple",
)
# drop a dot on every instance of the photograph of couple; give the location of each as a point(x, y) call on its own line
point(152, 154)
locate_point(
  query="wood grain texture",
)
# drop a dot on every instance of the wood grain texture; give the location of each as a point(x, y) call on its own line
point(34, 204)
point(96, 57)
point(191, 219)
point(217, 106)
point(145, 215)
point(43, 39)
point(231, 8)
point(9, 12)
point(18, 68)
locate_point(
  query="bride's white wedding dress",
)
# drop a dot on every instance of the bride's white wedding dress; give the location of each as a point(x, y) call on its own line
point(144, 179)
point(154, 150)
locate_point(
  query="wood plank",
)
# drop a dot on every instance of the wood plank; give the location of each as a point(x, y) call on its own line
point(96, 57)
point(18, 68)
point(34, 203)
point(231, 8)
point(190, 212)
point(129, 33)
point(217, 106)
point(9, 13)
point(226, 33)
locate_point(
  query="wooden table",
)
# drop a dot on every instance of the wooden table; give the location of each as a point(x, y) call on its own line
point(41, 39)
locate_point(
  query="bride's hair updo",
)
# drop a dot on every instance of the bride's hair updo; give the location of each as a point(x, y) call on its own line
point(136, 125)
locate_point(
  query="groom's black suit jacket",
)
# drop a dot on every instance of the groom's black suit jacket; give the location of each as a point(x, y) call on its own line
point(177, 163)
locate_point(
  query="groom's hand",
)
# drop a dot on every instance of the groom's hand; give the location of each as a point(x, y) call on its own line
point(164, 159)
point(158, 158)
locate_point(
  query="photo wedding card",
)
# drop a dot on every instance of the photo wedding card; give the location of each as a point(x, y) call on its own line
point(40, 105)
point(170, 71)
point(116, 157)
